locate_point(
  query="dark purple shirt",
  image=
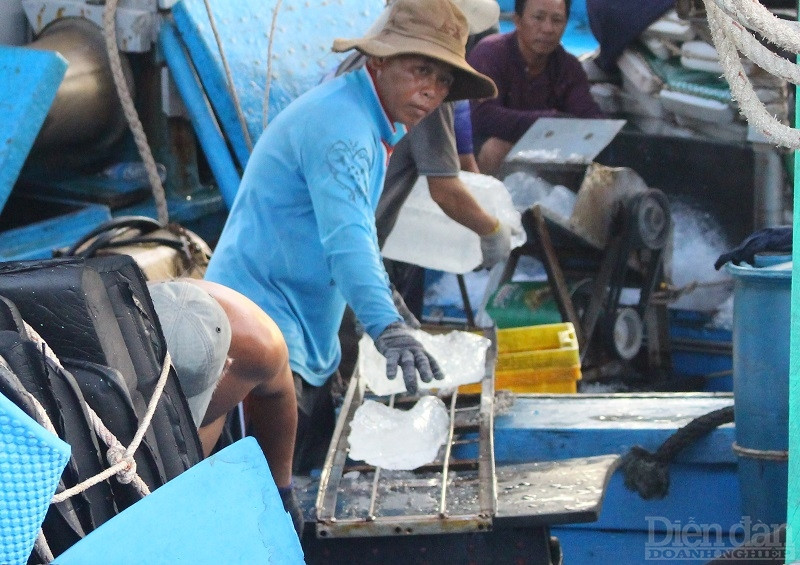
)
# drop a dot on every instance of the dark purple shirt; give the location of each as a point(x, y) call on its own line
point(562, 89)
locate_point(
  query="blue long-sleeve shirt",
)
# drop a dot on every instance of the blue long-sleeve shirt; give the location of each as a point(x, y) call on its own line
point(300, 239)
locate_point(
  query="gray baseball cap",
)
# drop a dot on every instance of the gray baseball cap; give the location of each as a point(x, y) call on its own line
point(198, 336)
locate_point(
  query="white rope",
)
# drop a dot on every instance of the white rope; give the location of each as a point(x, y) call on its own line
point(752, 14)
point(741, 89)
point(268, 86)
point(119, 457)
point(122, 463)
point(128, 108)
point(751, 48)
point(229, 79)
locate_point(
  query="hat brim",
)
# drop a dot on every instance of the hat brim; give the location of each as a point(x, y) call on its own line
point(468, 83)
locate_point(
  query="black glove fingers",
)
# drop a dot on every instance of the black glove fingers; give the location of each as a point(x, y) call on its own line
point(438, 374)
point(423, 365)
point(392, 357)
point(409, 368)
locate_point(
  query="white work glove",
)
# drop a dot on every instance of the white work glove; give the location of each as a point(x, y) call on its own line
point(496, 246)
point(401, 348)
point(408, 316)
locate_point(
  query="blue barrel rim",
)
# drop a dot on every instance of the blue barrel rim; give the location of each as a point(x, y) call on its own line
point(747, 271)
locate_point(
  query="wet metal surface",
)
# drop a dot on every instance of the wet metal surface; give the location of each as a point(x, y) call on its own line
point(553, 492)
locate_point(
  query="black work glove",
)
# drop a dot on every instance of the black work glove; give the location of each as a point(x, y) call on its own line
point(768, 239)
point(399, 346)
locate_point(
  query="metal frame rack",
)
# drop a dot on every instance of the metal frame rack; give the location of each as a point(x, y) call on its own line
point(450, 495)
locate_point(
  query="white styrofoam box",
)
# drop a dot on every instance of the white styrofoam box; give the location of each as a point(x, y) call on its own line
point(608, 96)
point(700, 56)
point(735, 131)
point(658, 47)
point(640, 103)
point(638, 73)
point(769, 95)
point(696, 107)
point(670, 26)
point(660, 126)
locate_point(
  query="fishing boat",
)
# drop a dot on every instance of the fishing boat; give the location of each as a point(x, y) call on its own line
point(116, 114)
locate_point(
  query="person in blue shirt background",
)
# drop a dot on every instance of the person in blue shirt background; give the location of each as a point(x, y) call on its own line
point(300, 240)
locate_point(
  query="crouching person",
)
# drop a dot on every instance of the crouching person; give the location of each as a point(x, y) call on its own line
point(225, 348)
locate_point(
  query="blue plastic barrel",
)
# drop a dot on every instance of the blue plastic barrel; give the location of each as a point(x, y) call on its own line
point(761, 322)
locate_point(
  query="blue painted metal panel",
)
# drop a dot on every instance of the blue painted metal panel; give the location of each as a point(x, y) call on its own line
point(704, 487)
point(39, 240)
point(301, 52)
point(225, 509)
point(707, 494)
point(546, 427)
point(633, 548)
point(29, 80)
point(211, 139)
point(701, 350)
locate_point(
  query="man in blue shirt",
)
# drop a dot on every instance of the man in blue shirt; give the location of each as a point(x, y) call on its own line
point(300, 240)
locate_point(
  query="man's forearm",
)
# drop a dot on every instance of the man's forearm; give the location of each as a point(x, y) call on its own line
point(455, 200)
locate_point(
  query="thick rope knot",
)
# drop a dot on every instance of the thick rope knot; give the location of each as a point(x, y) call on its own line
point(116, 455)
point(645, 473)
point(648, 473)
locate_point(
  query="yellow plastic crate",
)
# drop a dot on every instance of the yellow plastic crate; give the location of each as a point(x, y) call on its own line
point(537, 347)
point(554, 380)
point(541, 358)
point(544, 336)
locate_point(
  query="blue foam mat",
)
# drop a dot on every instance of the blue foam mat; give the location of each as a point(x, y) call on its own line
point(31, 462)
point(226, 509)
point(29, 80)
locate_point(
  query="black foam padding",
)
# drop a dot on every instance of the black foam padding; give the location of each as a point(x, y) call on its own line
point(105, 391)
point(99, 310)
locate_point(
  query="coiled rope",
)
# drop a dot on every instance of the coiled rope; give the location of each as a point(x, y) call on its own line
point(728, 21)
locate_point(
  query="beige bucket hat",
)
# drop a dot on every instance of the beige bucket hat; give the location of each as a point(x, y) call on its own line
point(433, 28)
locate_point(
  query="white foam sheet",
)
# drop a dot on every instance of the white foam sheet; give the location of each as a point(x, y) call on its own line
point(461, 356)
point(398, 439)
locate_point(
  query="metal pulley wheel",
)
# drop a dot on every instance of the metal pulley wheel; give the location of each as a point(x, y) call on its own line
point(650, 219)
point(627, 333)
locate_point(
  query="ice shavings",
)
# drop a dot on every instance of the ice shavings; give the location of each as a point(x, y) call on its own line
point(398, 439)
point(461, 356)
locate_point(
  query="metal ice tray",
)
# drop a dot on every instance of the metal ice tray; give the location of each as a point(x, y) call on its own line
point(452, 494)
